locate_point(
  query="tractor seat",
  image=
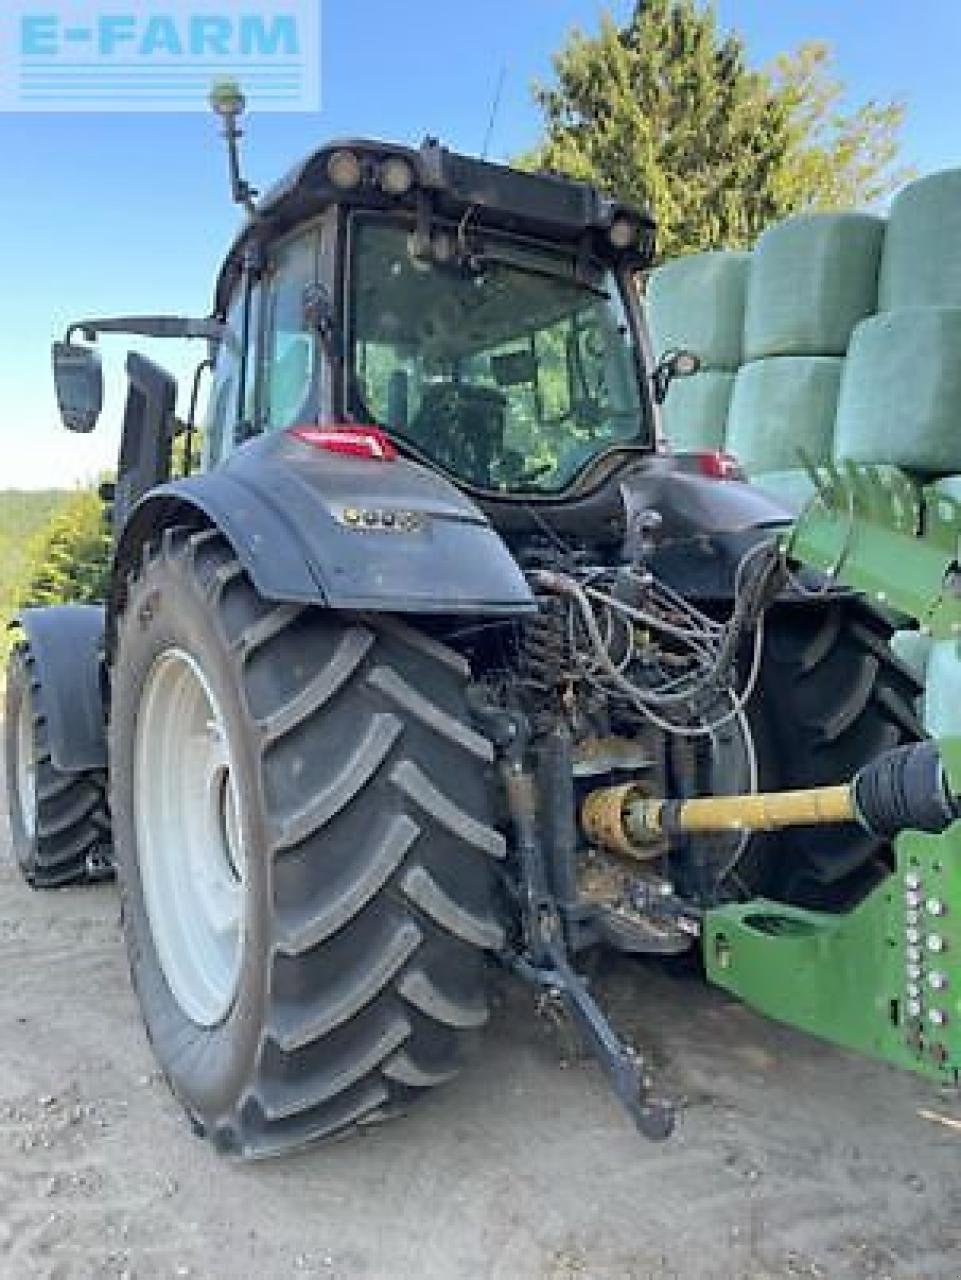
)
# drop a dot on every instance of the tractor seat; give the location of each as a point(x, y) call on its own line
point(462, 427)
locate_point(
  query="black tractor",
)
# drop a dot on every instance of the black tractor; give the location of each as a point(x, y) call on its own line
point(391, 627)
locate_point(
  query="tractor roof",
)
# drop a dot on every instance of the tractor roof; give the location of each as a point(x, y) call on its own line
point(379, 175)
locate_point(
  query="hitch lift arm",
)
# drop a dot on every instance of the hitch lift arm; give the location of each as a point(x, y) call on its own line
point(543, 958)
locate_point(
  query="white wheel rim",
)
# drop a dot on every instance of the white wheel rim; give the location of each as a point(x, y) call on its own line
point(26, 766)
point(189, 840)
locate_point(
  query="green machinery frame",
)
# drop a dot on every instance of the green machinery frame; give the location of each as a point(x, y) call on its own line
point(885, 977)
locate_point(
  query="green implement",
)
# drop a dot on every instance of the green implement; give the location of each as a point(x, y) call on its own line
point(885, 977)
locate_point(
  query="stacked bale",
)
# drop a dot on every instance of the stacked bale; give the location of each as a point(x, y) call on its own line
point(901, 391)
point(942, 691)
point(813, 278)
point(783, 406)
point(914, 650)
point(921, 262)
point(696, 303)
point(901, 394)
point(941, 713)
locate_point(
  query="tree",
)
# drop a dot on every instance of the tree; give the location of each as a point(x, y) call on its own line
point(70, 558)
point(22, 514)
point(665, 111)
point(838, 160)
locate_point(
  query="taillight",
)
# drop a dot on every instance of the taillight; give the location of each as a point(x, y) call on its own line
point(350, 440)
point(718, 465)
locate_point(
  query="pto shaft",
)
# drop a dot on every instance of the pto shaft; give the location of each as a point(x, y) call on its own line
point(904, 789)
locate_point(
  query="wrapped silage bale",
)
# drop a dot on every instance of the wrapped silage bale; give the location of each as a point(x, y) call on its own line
point(900, 397)
point(694, 415)
point(812, 279)
point(914, 650)
point(781, 407)
point(697, 303)
point(792, 489)
point(921, 259)
point(942, 690)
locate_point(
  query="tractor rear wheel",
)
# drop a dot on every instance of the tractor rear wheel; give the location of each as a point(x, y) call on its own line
point(832, 696)
point(59, 824)
point(304, 847)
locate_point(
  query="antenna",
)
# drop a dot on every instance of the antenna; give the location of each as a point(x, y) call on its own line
point(228, 102)
point(495, 106)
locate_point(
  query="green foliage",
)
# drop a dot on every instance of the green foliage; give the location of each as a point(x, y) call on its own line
point(70, 557)
point(838, 160)
point(22, 516)
point(54, 549)
point(666, 112)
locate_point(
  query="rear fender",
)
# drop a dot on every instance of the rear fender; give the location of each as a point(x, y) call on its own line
point(66, 642)
point(347, 533)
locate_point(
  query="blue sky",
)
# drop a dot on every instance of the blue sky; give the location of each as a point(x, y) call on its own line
point(107, 214)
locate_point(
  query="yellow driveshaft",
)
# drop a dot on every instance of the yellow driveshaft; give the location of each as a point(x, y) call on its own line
point(624, 819)
point(903, 789)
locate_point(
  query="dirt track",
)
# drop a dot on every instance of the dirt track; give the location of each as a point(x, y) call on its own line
point(792, 1159)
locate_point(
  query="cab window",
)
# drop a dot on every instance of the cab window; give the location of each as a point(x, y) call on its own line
point(223, 411)
point(290, 369)
point(511, 370)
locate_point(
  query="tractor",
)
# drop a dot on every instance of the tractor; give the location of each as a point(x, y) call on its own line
point(424, 654)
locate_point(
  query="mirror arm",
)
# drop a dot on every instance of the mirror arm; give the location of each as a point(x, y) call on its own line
point(660, 381)
point(209, 328)
point(674, 363)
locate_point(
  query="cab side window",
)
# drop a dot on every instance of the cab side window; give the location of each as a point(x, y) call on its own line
point(223, 410)
point(290, 365)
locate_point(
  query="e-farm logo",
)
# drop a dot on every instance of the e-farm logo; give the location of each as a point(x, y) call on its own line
point(165, 55)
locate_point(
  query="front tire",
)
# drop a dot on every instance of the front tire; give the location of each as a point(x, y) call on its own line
point(362, 847)
point(59, 825)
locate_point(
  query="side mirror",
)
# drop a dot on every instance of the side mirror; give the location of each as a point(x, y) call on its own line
point(78, 379)
point(673, 364)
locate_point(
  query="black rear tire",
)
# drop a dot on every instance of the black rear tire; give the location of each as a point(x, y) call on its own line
point(832, 696)
point(61, 833)
point(370, 854)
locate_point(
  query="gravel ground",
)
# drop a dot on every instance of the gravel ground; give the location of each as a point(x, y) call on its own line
point(791, 1159)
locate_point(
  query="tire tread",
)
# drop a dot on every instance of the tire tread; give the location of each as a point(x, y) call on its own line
point(382, 885)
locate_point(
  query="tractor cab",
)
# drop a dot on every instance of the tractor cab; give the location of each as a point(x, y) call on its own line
point(483, 319)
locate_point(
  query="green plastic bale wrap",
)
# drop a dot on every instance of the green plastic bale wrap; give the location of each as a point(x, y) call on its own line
point(697, 303)
point(812, 279)
point(792, 489)
point(921, 260)
point(914, 650)
point(901, 391)
point(781, 408)
point(942, 691)
point(694, 415)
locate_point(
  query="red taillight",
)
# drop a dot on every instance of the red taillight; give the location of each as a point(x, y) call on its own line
point(350, 440)
point(718, 465)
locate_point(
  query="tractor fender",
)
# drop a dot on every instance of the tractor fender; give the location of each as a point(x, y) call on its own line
point(66, 643)
point(349, 533)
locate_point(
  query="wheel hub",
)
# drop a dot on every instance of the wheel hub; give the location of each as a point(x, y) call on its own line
point(189, 837)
